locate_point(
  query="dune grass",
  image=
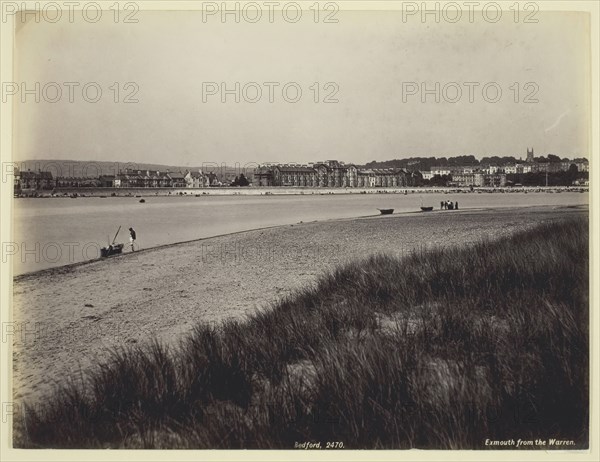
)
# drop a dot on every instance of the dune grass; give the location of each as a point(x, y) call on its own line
point(441, 349)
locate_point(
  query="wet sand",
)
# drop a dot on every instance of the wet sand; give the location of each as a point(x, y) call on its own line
point(69, 318)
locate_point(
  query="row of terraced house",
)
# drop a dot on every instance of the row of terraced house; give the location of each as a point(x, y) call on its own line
point(332, 174)
point(154, 179)
point(29, 180)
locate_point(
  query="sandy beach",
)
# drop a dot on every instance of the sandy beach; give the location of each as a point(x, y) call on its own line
point(68, 319)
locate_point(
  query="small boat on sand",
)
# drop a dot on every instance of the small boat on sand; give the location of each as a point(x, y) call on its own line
point(142, 201)
point(112, 248)
point(426, 209)
point(386, 211)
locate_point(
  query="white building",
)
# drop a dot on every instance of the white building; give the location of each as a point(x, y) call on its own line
point(490, 169)
point(196, 179)
point(523, 168)
point(468, 179)
point(441, 170)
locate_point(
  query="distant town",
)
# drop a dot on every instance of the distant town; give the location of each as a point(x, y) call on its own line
point(460, 171)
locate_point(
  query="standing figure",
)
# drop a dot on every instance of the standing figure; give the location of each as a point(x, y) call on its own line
point(456, 205)
point(132, 237)
point(442, 205)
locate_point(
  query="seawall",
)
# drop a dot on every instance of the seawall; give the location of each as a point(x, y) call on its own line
point(267, 191)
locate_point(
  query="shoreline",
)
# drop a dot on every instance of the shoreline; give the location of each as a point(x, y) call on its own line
point(69, 266)
point(107, 193)
point(67, 321)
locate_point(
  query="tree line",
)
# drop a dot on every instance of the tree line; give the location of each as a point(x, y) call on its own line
point(425, 163)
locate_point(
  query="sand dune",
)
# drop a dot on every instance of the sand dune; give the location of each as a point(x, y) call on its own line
point(70, 318)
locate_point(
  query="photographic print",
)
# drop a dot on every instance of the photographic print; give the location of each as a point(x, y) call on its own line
point(303, 226)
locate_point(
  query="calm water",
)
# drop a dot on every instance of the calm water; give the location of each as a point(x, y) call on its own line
point(57, 231)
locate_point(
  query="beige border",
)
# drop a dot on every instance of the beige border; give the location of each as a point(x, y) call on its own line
point(9, 454)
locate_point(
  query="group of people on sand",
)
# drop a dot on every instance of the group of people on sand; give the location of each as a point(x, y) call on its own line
point(448, 205)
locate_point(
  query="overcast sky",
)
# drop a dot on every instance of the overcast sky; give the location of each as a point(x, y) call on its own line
point(370, 56)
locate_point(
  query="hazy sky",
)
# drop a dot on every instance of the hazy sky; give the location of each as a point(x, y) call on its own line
point(372, 57)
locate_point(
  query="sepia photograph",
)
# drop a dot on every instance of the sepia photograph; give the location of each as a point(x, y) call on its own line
point(299, 226)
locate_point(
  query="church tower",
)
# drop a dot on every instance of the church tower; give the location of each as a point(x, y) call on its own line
point(529, 155)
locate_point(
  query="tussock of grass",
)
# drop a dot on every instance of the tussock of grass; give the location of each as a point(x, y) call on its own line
point(441, 349)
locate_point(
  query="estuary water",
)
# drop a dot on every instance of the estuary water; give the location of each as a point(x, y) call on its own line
point(53, 232)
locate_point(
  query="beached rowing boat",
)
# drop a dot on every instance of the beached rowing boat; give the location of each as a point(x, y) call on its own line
point(112, 249)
